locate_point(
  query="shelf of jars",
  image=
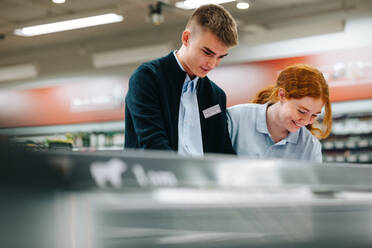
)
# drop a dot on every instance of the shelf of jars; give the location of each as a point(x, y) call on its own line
point(81, 141)
point(351, 139)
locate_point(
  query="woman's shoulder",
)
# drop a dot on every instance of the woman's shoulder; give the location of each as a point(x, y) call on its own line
point(243, 112)
point(247, 107)
point(307, 136)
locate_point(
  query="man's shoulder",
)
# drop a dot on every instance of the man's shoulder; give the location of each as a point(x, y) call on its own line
point(212, 86)
point(155, 65)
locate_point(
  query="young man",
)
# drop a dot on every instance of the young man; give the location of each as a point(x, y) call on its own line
point(171, 104)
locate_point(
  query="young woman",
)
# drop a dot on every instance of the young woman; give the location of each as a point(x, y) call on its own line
point(281, 121)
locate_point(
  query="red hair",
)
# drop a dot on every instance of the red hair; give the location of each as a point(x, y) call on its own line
point(298, 81)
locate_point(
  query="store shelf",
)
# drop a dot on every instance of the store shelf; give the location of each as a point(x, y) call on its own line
point(82, 137)
point(351, 137)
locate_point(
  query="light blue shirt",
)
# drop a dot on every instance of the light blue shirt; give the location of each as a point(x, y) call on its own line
point(189, 130)
point(250, 136)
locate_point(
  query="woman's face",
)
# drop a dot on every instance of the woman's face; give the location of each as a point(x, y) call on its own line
point(296, 113)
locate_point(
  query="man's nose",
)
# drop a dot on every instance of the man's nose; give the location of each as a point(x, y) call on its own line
point(212, 62)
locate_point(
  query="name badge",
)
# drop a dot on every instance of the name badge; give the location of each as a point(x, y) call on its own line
point(211, 111)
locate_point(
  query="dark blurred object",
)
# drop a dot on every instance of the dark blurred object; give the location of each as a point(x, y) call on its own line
point(2, 36)
point(28, 186)
point(155, 13)
point(4, 138)
point(60, 146)
point(29, 145)
point(21, 168)
point(156, 199)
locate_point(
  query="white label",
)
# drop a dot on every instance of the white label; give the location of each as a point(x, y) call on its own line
point(212, 111)
point(108, 172)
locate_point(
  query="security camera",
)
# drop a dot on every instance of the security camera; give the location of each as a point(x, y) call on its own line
point(156, 15)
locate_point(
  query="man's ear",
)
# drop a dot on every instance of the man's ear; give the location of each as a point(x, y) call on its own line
point(186, 37)
point(282, 94)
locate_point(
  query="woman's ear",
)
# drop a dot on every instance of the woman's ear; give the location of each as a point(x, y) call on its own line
point(281, 94)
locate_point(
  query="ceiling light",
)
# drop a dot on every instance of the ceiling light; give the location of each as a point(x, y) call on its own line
point(18, 72)
point(68, 25)
point(242, 5)
point(59, 1)
point(193, 4)
point(130, 55)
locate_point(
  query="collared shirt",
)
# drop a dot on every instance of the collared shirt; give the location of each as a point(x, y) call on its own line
point(250, 136)
point(183, 140)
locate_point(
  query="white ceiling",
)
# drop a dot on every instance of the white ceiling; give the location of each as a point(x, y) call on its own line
point(72, 50)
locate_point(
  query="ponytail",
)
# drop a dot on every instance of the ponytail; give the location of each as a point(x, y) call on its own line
point(265, 95)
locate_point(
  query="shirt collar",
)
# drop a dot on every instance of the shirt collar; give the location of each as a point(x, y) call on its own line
point(187, 79)
point(178, 62)
point(261, 126)
point(293, 137)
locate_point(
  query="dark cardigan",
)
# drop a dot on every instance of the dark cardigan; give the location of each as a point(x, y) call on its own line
point(152, 106)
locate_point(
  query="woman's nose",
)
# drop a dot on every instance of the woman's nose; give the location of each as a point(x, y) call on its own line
point(306, 120)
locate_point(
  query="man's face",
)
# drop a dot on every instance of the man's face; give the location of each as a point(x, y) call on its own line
point(203, 52)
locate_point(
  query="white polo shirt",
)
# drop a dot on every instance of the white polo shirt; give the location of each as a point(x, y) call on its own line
point(250, 136)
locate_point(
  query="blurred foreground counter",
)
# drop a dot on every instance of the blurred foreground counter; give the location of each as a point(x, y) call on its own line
point(158, 199)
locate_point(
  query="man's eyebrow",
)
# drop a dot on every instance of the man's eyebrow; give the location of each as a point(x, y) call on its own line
point(210, 51)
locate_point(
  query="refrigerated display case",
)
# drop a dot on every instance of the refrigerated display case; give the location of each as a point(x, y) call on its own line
point(159, 199)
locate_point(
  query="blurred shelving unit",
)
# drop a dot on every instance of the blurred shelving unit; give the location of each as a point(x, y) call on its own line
point(351, 137)
point(350, 140)
point(79, 137)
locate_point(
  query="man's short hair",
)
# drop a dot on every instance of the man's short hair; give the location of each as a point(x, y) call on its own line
point(218, 21)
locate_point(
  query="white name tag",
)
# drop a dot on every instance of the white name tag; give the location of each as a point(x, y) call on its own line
point(211, 111)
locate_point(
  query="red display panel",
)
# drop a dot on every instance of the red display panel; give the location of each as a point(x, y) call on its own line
point(69, 103)
point(348, 72)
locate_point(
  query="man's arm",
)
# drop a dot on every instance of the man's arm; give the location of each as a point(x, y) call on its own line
point(144, 110)
point(228, 148)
